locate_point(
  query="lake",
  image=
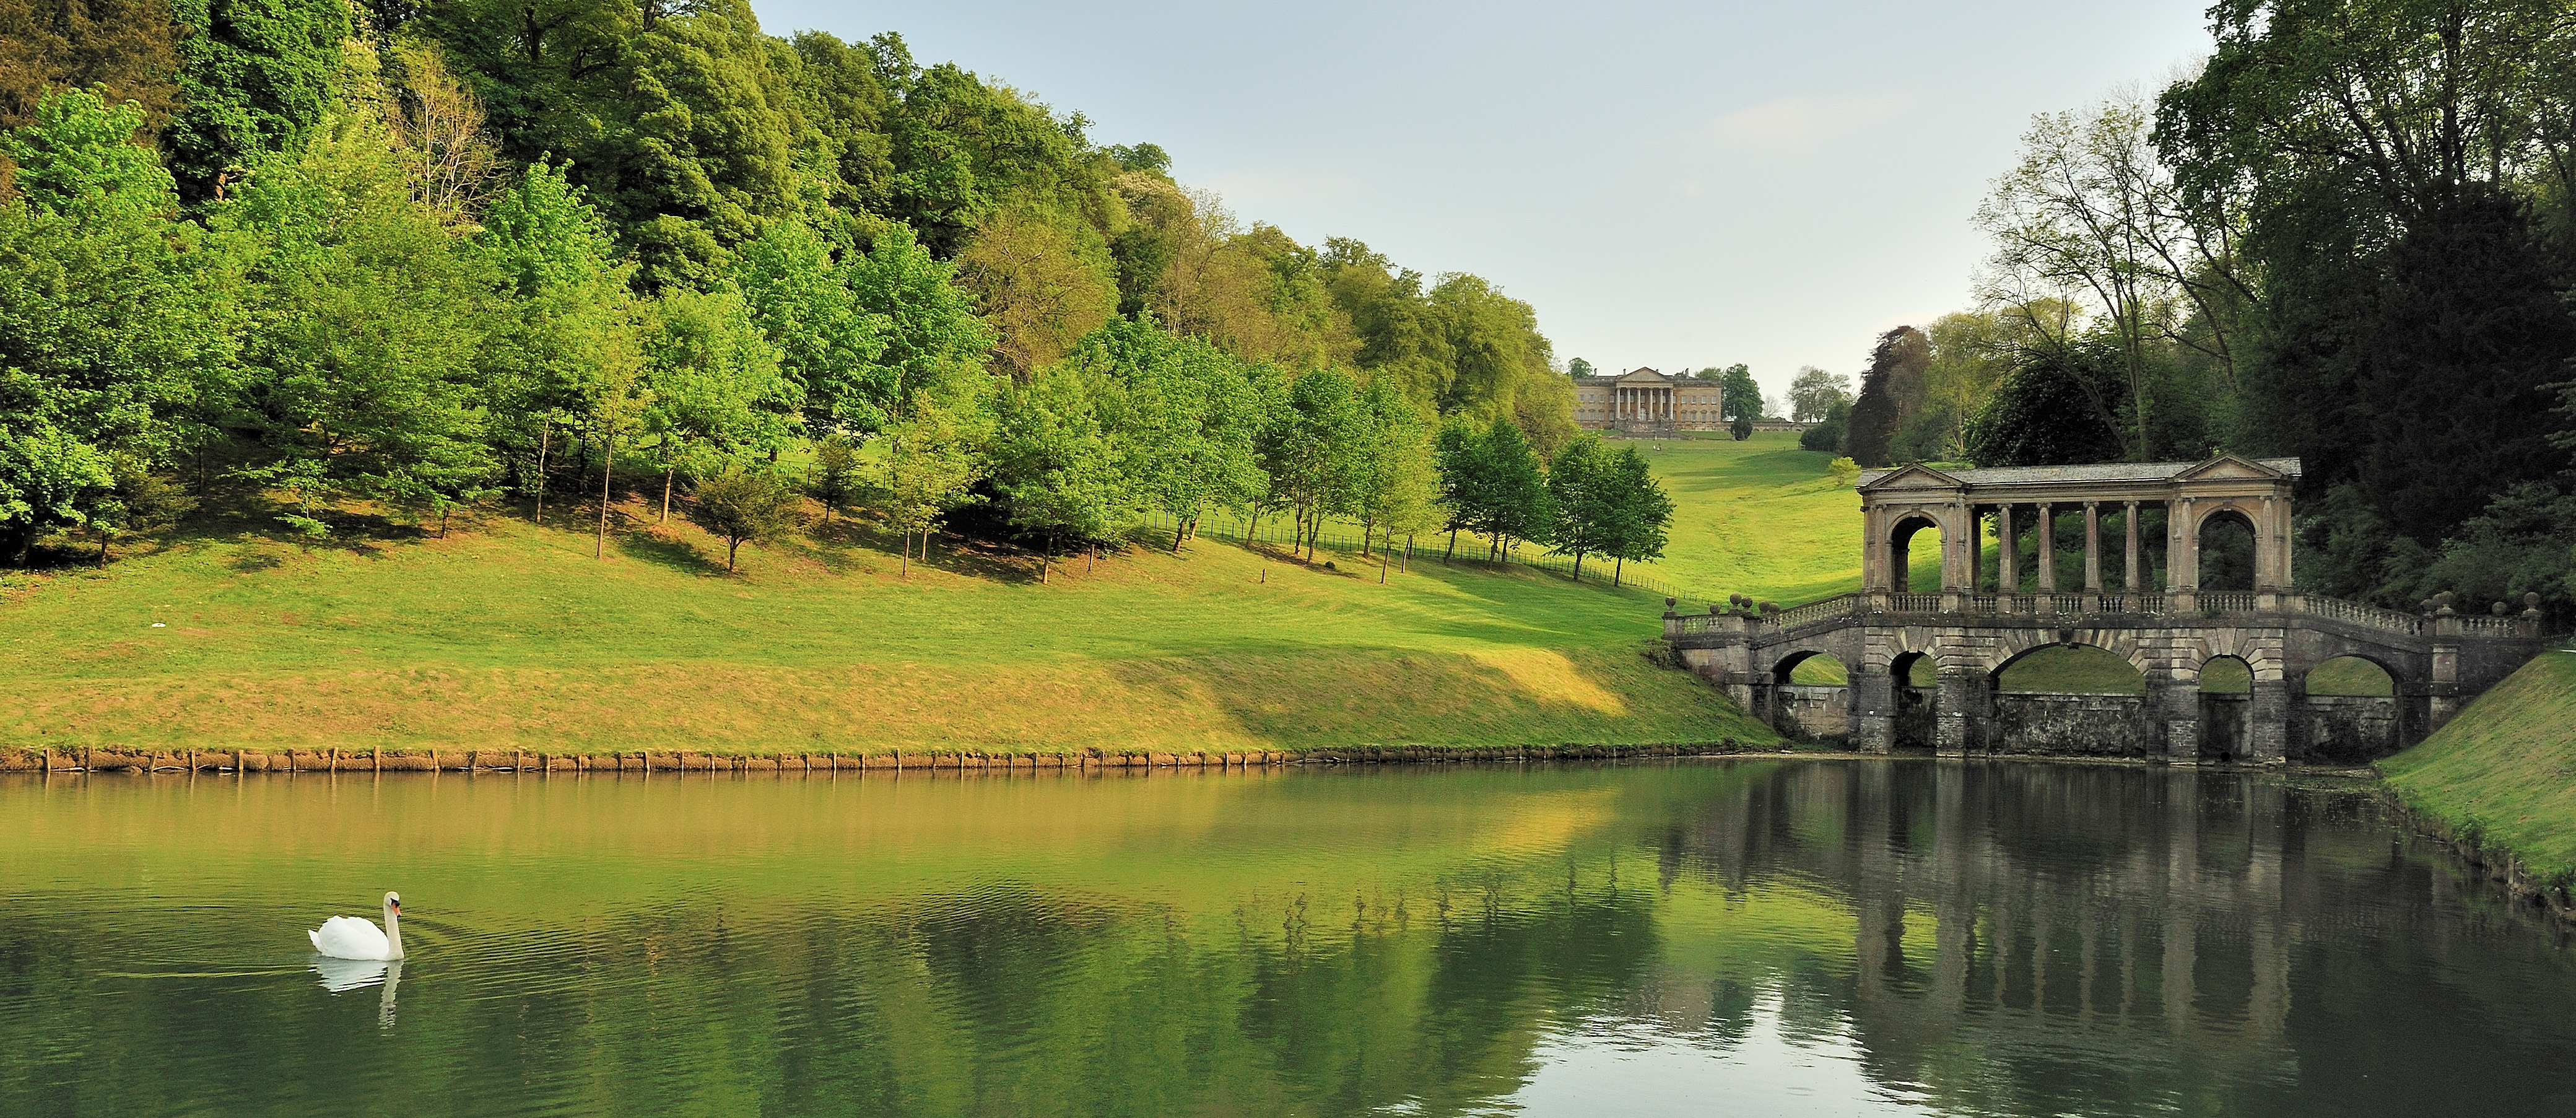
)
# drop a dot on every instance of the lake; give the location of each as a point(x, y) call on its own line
point(1741, 937)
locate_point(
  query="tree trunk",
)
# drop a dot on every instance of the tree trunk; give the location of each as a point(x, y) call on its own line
point(544, 435)
point(1368, 527)
point(732, 545)
point(1453, 546)
point(1407, 568)
point(443, 512)
point(667, 472)
point(1578, 566)
point(904, 569)
point(607, 461)
point(1618, 566)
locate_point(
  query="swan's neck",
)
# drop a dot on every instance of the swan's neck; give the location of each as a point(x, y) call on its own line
point(393, 934)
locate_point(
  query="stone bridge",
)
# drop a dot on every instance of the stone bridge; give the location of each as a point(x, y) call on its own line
point(1984, 618)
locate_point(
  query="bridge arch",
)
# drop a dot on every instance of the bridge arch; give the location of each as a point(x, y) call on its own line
point(2265, 562)
point(2013, 644)
point(1900, 549)
point(1784, 672)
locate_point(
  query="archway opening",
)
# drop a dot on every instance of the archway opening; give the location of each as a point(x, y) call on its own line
point(2070, 669)
point(1812, 669)
point(2067, 699)
point(2348, 714)
point(1916, 681)
point(2226, 708)
point(1914, 570)
point(2351, 677)
point(2227, 551)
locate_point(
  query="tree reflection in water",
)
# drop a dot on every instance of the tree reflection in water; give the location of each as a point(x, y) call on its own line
point(1882, 937)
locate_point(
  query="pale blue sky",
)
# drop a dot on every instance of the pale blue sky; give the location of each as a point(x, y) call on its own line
point(1669, 184)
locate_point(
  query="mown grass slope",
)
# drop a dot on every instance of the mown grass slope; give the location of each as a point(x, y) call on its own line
point(2502, 772)
point(511, 635)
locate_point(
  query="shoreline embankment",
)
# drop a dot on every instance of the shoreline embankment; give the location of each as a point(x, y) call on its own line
point(2497, 785)
point(103, 760)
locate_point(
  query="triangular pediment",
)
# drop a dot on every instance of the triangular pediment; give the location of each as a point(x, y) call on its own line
point(2230, 467)
point(1644, 376)
point(1917, 476)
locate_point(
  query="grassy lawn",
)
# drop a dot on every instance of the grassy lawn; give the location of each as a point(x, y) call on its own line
point(511, 635)
point(2500, 772)
point(1757, 517)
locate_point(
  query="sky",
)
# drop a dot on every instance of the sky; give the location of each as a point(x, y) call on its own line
point(1670, 185)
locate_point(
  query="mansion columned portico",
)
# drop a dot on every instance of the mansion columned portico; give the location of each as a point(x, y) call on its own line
point(1646, 402)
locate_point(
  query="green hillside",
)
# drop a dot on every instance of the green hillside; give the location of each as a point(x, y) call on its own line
point(2497, 773)
point(1757, 517)
point(509, 635)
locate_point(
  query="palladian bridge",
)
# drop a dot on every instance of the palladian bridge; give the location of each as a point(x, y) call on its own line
point(1925, 667)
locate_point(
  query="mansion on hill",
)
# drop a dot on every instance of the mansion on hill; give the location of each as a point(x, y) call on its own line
point(1646, 402)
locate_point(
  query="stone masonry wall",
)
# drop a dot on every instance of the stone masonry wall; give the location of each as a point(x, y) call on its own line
point(2070, 725)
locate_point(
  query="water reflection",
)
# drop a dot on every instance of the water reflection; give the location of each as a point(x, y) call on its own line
point(1757, 937)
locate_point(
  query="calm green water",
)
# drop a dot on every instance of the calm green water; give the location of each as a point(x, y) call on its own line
point(1904, 937)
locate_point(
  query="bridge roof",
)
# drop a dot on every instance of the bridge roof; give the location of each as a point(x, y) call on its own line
point(2097, 473)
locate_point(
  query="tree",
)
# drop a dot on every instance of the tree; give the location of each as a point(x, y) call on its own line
point(1740, 397)
point(836, 474)
point(1494, 486)
point(1313, 449)
point(1399, 479)
point(567, 342)
point(1643, 513)
point(254, 81)
point(935, 343)
point(113, 339)
point(1741, 427)
point(930, 467)
point(711, 381)
point(1578, 367)
point(126, 50)
point(1043, 286)
point(1054, 466)
point(1828, 435)
point(743, 504)
point(828, 344)
point(2043, 414)
point(370, 322)
point(1888, 391)
point(1814, 392)
point(1587, 509)
point(1185, 415)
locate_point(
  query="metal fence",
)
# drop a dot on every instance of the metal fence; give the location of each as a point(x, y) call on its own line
point(1472, 550)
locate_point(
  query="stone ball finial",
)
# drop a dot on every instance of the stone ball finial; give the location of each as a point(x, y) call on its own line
point(2531, 600)
point(1671, 602)
point(2442, 601)
point(2501, 608)
point(1770, 607)
point(2426, 605)
point(1712, 608)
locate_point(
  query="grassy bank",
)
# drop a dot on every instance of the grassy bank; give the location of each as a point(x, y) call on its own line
point(2501, 776)
point(509, 635)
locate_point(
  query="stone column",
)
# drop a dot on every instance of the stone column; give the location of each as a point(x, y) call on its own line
point(2131, 586)
point(1976, 550)
point(1960, 721)
point(2047, 549)
point(2173, 716)
point(2268, 722)
point(2182, 556)
point(2092, 547)
point(2007, 552)
point(1873, 709)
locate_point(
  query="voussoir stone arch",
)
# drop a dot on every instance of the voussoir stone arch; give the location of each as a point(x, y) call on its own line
point(2262, 652)
point(2012, 643)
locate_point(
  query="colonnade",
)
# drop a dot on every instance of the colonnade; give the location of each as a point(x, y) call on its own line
point(1647, 404)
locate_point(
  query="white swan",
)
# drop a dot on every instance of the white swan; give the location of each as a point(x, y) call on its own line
point(348, 937)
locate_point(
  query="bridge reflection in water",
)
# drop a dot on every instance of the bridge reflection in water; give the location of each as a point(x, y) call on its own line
point(2164, 619)
point(2057, 939)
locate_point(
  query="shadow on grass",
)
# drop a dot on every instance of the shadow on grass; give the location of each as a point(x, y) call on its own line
point(1309, 699)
